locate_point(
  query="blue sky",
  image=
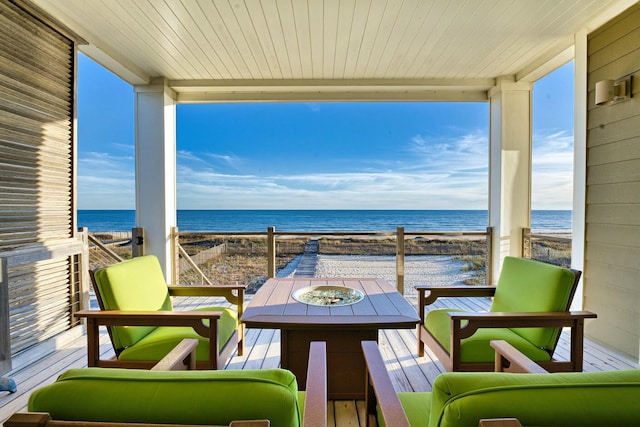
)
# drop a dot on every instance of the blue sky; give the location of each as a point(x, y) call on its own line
point(319, 155)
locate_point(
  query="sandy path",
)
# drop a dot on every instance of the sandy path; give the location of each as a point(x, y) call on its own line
point(419, 270)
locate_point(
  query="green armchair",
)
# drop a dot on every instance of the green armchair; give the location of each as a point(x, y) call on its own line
point(532, 399)
point(530, 307)
point(135, 306)
point(115, 397)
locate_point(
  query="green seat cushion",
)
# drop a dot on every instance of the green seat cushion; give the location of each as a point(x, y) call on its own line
point(137, 284)
point(476, 348)
point(178, 397)
point(570, 399)
point(527, 285)
point(161, 340)
point(302, 397)
point(417, 407)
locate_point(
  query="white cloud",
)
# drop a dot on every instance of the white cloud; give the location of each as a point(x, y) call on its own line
point(438, 173)
point(349, 190)
point(552, 171)
point(105, 181)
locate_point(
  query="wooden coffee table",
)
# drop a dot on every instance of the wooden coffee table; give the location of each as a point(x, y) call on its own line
point(341, 327)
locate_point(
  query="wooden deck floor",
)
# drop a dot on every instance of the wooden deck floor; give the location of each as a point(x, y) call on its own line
point(409, 373)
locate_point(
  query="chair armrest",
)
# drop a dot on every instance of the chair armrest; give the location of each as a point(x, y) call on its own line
point(517, 362)
point(259, 423)
point(500, 422)
point(515, 320)
point(458, 291)
point(226, 291)
point(203, 290)
point(380, 389)
point(436, 292)
point(152, 318)
point(315, 404)
point(43, 419)
point(182, 357)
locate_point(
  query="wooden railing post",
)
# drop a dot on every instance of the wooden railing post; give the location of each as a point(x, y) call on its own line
point(175, 265)
point(81, 275)
point(271, 252)
point(526, 242)
point(400, 259)
point(5, 342)
point(489, 261)
point(137, 242)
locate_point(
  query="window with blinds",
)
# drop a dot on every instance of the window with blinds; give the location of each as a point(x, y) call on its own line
point(37, 66)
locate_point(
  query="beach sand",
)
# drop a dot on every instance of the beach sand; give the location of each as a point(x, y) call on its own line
point(434, 270)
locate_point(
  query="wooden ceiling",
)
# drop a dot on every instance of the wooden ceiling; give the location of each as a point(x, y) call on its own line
point(212, 50)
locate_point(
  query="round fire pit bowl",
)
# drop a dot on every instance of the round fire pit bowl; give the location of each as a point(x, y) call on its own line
point(328, 296)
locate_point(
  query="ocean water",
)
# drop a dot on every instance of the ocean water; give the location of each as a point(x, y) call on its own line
point(322, 220)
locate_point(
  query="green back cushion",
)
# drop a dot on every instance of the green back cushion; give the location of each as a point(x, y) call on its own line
point(137, 284)
point(179, 397)
point(525, 286)
point(569, 399)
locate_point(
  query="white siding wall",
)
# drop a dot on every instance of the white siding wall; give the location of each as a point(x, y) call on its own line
point(612, 255)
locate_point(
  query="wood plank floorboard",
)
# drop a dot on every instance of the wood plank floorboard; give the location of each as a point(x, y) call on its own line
point(262, 350)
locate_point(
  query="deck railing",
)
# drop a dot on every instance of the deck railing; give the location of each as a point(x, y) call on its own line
point(272, 238)
point(551, 247)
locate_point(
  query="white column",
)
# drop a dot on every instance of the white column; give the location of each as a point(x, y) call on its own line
point(509, 167)
point(579, 162)
point(156, 168)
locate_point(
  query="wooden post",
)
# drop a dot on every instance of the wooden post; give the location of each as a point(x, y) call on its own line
point(5, 342)
point(509, 165)
point(137, 242)
point(271, 252)
point(80, 275)
point(85, 280)
point(175, 269)
point(526, 242)
point(489, 261)
point(400, 259)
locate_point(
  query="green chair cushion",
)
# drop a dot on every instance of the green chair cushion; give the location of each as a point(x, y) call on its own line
point(476, 348)
point(137, 284)
point(302, 397)
point(527, 285)
point(438, 323)
point(569, 399)
point(160, 341)
point(417, 406)
point(178, 397)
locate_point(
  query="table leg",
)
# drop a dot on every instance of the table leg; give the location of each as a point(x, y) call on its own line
point(345, 362)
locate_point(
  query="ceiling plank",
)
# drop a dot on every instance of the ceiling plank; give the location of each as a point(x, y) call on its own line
point(281, 40)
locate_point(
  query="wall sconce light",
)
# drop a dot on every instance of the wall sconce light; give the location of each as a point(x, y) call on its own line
point(612, 92)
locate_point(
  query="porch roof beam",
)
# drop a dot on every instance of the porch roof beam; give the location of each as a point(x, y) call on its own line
point(194, 91)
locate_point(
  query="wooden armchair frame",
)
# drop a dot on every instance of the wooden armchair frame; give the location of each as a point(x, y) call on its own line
point(588, 398)
point(39, 419)
point(234, 294)
point(465, 324)
point(380, 391)
point(183, 357)
point(509, 359)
